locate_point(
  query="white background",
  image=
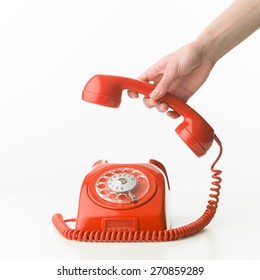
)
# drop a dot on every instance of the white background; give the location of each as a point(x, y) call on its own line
point(50, 137)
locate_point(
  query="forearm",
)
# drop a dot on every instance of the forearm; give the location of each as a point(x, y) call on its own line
point(234, 25)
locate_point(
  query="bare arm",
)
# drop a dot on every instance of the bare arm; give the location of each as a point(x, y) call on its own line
point(184, 71)
point(233, 26)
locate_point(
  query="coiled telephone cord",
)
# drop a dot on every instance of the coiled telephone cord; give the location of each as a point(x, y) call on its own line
point(149, 235)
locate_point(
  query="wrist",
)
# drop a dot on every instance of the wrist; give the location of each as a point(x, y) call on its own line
point(207, 48)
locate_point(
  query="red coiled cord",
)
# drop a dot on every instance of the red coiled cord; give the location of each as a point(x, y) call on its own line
point(153, 235)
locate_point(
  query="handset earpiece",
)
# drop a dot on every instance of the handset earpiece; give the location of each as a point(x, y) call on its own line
point(106, 90)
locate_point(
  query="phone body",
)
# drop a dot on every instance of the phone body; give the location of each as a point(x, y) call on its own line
point(122, 197)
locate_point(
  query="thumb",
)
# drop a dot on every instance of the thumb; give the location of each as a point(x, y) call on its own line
point(163, 86)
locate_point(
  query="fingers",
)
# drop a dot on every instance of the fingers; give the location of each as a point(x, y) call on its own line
point(142, 77)
point(162, 76)
point(173, 114)
point(145, 76)
point(161, 107)
point(132, 94)
point(164, 84)
point(160, 90)
point(151, 103)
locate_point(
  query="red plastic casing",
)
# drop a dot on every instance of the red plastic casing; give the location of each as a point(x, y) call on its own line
point(106, 90)
point(148, 213)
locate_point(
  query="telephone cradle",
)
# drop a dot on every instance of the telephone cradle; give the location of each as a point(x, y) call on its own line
point(126, 202)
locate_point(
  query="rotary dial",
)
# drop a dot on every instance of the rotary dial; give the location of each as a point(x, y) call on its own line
point(122, 185)
point(122, 182)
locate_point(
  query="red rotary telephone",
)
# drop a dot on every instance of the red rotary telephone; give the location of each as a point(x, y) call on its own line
point(126, 202)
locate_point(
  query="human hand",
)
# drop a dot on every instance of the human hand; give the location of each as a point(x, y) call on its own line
point(180, 74)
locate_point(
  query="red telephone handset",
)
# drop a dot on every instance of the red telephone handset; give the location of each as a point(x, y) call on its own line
point(106, 90)
point(126, 202)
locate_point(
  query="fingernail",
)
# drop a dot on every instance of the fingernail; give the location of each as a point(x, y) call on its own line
point(132, 94)
point(155, 93)
point(153, 102)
